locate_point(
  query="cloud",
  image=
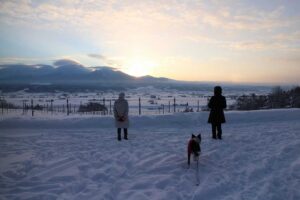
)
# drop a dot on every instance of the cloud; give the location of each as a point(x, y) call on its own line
point(164, 14)
point(130, 23)
point(27, 60)
point(98, 56)
point(288, 37)
point(246, 19)
point(251, 45)
point(114, 62)
point(105, 68)
point(65, 62)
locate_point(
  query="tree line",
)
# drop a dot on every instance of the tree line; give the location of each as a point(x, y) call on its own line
point(278, 98)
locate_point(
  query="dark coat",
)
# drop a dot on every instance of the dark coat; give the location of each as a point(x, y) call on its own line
point(217, 103)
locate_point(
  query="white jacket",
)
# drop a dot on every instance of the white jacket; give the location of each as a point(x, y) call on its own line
point(121, 113)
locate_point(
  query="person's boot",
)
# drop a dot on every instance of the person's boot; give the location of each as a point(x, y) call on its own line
point(220, 136)
point(214, 136)
point(125, 135)
point(119, 136)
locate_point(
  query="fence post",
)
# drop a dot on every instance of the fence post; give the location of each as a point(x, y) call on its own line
point(32, 112)
point(198, 106)
point(110, 106)
point(23, 107)
point(2, 105)
point(67, 106)
point(51, 106)
point(79, 109)
point(174, 104)
point(140, 110)
point(169, 106)
point(105, 111)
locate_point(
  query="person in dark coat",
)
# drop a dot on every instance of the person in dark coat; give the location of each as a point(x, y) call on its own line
point(121, 115)
point(217, 104)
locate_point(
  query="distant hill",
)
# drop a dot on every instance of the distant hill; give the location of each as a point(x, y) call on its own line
point(69, 74)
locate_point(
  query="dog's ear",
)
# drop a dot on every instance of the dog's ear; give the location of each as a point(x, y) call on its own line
point(199, 136)
point(193, 136)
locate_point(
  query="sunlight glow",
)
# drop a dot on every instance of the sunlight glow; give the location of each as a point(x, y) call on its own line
point(139, 67)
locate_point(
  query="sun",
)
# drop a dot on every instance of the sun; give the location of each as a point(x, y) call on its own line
point(139, 67)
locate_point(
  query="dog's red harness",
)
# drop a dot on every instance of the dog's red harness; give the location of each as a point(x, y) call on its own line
point(189, 150)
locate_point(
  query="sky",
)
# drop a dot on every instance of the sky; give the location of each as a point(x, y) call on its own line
point(249, 41)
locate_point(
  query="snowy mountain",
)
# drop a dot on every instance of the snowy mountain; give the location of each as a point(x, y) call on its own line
point(68, 75)
point(80, 158)
point(65, 72)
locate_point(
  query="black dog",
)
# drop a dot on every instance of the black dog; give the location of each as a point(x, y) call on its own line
point(194, 147)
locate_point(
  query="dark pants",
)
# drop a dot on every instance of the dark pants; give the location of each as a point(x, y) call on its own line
point(125, 134)
point(216, 127)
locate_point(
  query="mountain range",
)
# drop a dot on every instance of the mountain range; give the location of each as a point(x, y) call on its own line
point(67, 73)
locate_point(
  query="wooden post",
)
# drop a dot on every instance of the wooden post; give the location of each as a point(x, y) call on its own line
point(140, 109)
point(32, 112)
point(110, 106)
point(79, 108)
point(51, 106)
point(174, 104)
point(67, 106)
point(23, 107)
point(198, 106)
point(163, 108)
point(103, 112)
point(169, 106)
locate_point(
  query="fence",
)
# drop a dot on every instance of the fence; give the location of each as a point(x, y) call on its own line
point(104, 106)
point(137, 106)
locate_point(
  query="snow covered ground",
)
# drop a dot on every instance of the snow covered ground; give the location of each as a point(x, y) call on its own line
point(80, 157)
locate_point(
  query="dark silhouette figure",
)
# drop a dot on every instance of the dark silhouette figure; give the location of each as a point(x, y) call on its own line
point(217, 104)
point(121, 115)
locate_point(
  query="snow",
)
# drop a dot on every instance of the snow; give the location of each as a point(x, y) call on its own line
point(73, 157)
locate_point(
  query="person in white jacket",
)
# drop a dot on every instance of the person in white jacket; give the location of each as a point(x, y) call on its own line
point(121, 115)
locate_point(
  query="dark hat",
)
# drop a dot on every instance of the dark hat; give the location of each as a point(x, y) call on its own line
point(218, 90)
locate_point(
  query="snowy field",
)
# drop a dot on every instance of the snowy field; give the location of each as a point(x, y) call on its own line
point(80, 158)
point(153, 100)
